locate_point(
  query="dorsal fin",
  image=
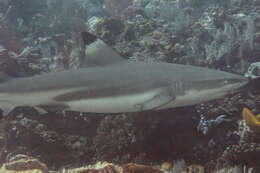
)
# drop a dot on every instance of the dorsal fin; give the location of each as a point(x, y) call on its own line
point(98, 53)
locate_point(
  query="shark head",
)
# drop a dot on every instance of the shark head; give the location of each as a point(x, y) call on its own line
point(200, 90)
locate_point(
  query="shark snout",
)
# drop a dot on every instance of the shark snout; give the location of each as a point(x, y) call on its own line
point(232, 85)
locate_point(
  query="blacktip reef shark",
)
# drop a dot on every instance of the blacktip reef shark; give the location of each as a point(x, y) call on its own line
point(111, 84)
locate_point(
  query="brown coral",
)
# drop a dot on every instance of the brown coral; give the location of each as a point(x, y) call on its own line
point(195, 168)
point(138, 168)
point(99, 167)
point(111, 168)
point(24, 164)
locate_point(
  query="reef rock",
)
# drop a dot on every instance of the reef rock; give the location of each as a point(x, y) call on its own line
point(99, 167)
point(24, 164)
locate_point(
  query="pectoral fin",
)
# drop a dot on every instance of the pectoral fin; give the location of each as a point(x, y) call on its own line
point(43, 109)
point(162, 98)
point(40, 110)
point(6, 107)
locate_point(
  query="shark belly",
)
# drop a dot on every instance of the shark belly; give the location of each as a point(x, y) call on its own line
point(127, 102)
point(8, 101)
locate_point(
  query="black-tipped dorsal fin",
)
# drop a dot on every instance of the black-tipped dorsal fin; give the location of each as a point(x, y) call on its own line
point(98, 53)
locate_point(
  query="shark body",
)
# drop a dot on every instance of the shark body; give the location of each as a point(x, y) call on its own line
point(110, 84)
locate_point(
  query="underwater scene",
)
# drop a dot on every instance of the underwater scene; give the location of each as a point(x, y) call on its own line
point(129, 86)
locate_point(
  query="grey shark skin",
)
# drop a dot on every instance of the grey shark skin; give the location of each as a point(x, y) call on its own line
point(110, 84)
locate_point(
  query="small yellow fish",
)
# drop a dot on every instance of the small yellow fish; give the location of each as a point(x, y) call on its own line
point(251, 120)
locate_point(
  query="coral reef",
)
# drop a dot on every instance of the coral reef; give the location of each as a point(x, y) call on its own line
point(251, 120)
point(138, 138)
point(253, 70)
point(136, 168)
point(109, 28)
point(44, 36)
point(145, 26)
point(99, 167)
point(166, 166)
point(109, 167)
point(245, 149)
point(116, 8)
point(26, 164)
point(23, 164)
